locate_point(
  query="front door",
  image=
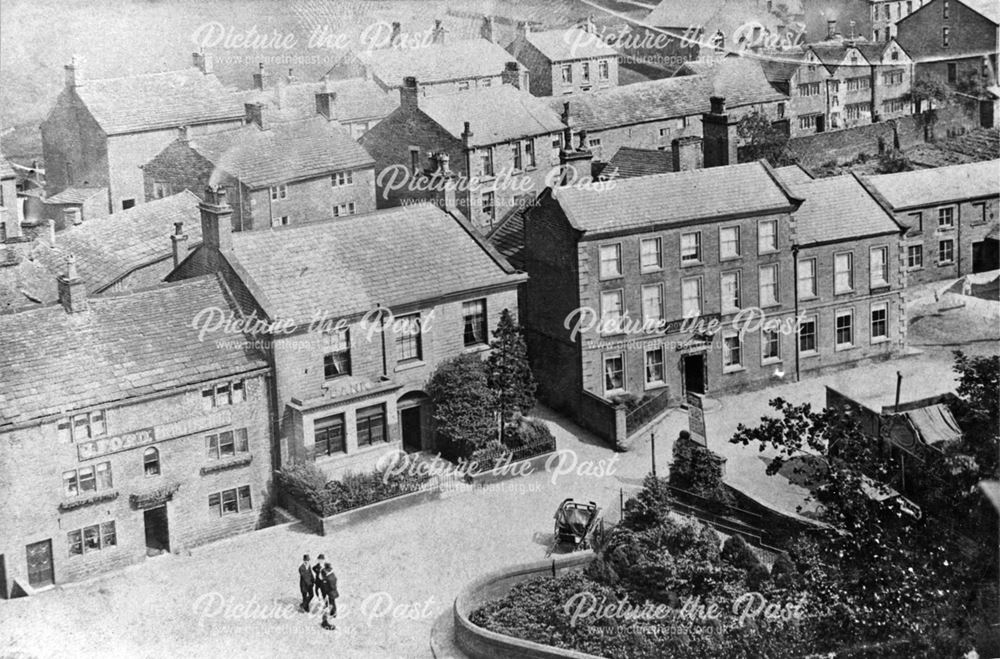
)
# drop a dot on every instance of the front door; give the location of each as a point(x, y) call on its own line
point(157, 530)
point(694, 373)
point(985, 255)
point(40, 572)
point(409, 420)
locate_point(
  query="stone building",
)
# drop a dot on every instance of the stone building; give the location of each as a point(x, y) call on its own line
point(886, 13)
point(565, 61)
point(100, 132)
point(277, 173)
point(950, 215)
point(124, 433)
point(413, 286)
point(953, 40)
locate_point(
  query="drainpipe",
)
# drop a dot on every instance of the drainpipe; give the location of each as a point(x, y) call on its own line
point(798, 330)
point(381, 327)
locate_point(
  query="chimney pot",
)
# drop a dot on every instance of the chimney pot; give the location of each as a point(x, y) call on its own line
point(177, 243)
point(216, 222)
point(203, 62)
point(74, 72)
point(182, 134)
point(831, 28)
point(259, 78)
point(718, 104)
point(409, 93)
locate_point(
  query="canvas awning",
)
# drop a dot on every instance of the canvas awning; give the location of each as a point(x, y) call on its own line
point(934, 424)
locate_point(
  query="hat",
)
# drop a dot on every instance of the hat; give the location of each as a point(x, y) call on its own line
point(328, 566)
point(305, 557)
point(320, 557)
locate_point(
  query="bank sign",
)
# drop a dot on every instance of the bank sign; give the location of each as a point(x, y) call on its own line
point(144, 436)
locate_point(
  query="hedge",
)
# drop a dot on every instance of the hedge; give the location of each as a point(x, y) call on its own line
point(308, 484)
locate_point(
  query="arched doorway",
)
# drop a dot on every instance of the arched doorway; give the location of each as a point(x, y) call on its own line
point(414, 410)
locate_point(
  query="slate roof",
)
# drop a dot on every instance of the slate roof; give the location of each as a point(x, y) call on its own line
point(108, 248)
point(675, 198)
point(838, 208)
point(347, 266)
point(75, 195)
point(925, 187)
point(469, 58)
point(793, 174)
point(284, 152)
point(780, 67)
point(158, 100)
point(741, 80)
point(832, 54)
point(357, 99)
point(629, 162)
point(664, 99)
point(496, 114)
point(121, 347)
point(569, 44)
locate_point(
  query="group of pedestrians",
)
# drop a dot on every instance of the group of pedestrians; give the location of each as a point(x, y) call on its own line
point(319, 580)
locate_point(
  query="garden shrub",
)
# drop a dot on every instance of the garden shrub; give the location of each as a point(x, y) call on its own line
point(308, 484)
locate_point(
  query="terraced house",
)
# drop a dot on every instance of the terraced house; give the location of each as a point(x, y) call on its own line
point(567, 61)
point(123, 434)
point(101, 131)
point(276, 173)
point(357, 312)
point(950, 215)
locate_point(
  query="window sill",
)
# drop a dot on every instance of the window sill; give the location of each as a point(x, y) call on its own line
point(91, 500)
point(844, 348)
point(878, 340)
point(808, 298)
point(649, 271)
point(409, 365)
point(230, 463)
point(726, 259)
point(770, 361)
point(914, 268)
point(479, 347)
point(613, 392)
point(652, 386)
point(945, 264)
point(771, 305)
point(691, 264)
point(844, 293)
point(732, 369)
point(809, 353)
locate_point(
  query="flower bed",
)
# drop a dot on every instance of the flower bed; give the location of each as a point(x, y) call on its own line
point(307, 484)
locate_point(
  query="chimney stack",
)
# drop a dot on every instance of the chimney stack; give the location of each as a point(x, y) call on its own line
point(216, 220)
point(52, 233)
point(719, 134)
point(72, 292)
point(488, 29)
point(203, 62)
point(182, 134)
point(512, 75)
point(467, 135)
point(437, 35)
point(291, 79)
point(524, 27)
point(396, 35)
point(831, 28)
point(259, 78)
point(74, 73)
point(178, 243)
point(254, 114)
point(11, 223)
point(326, 103)
point(409, 93)
point(576, 164)
point(687, 153)
point(72, 216)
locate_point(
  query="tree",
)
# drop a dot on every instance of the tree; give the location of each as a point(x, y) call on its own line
point(464, 403)
point(761, 140)
point(930, 89)
point(892, 162)
point(698, 470)
point(508, 372)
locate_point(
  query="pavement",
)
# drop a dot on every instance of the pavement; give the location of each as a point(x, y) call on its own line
point(400, 573)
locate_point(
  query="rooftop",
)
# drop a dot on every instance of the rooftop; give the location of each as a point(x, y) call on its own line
point(568, 44)
point(676, 198)
point(470, 58)
point(926, 187)
point(712, 15)
point(121, 347)
point(357, 99)
point(522, 114)
point(75, 195)
point(348, 266)
point(629, 162)
point(154, 101)
point(838, 208)
point(284, 152)
point(793, 174)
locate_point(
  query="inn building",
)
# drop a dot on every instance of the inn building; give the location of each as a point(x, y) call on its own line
point(123, 434)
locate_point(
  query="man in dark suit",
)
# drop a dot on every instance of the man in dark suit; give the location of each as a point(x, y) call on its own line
point(318, 575)
point(329, 585)
point(306, 582)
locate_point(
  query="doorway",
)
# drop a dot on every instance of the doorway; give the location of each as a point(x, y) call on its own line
point(40, 569)
point(986, 255)
point(409, 420)
point(157, 530)
point(694, 373)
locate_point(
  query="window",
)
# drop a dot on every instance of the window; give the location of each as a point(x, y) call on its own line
point(946, 217)
point(944, 44)
point(611, 311)
point(834, 86)
point(691, 297)
point(529, 152)
point(809, 89)
point(807, 335)
point(556, 147)
point(915, 256)
point(892, 78)
point(343, 210)
point(328, 436)
point(408, 338)
point(652, 304)
point(781, 110)
point(567, 74)
point(486, 82)
point(807, 278)
point(86, 480)
point(614, 373)
point(732, 352)
point(691, 247)
point(594, 142)
point(127, 204)
point(414, 160)
point(654, 367)
point(585, 77)
point(229, 502)
point(279, 192)
point(916, 222)
point(227, 444)
point(767, 236)
point(857, 110)
point(809, 121)
point(222, 394)
point(909, 7)
point(887, 10)
point(767, 285)
point(488, 204)
point(952, 67)
point(82, 427)
point(879, 266)
point(946, 252)
point(371, 425)
point(160, 190)
point(342, 178)
point(880, 322)
point(486, 161)
point(515, 149)
point(282, 221)
point(843, 272)
point(603, 70)
point(770, 346)
point(337, 354)
point(730, 291)
point(474, 319)
point(650, 254)
point(151, 461)
point(844, 329)
point(610, 261)
point(463, 85)
point(944, 10)
point(978, 213)
point(92, 538)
